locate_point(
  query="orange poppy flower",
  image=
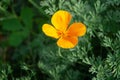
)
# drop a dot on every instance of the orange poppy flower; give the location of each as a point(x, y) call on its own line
point(67, 36)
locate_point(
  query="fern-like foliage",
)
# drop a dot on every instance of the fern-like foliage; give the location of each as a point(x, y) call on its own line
point(100, 48)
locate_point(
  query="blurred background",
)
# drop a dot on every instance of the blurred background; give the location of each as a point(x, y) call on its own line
point(27, 54)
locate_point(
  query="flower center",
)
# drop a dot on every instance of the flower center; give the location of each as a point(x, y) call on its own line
point(62, 34)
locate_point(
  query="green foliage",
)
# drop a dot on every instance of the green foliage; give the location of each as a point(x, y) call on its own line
point(27, 15)
point(27, 54)
point(11, 25)
point(19, 26)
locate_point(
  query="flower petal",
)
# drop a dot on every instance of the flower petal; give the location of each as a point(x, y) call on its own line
point(67, 42)
point(61, 20)
point(77, 29)
point(50, 31)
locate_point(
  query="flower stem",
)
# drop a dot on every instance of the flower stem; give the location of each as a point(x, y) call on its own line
point(59, 52)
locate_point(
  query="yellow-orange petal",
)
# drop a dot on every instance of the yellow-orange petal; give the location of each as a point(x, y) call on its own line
point(50, 31)
point(67, 42)
point(61, 20)
point(77, 29)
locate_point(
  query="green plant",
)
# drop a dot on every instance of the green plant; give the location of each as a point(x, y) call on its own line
point(27, 54)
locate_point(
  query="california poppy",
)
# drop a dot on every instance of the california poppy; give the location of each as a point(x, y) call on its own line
point(67, 36)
